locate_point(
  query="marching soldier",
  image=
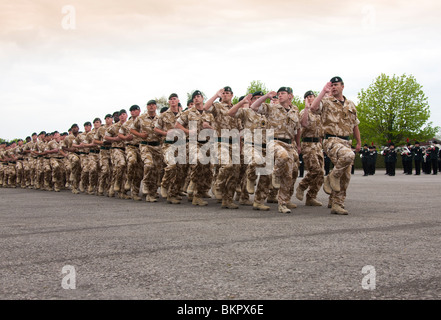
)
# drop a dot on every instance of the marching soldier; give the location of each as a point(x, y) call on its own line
point(105, 166)
point(284, 119)
point(227, 178)
point(312, 150)
point(255, 126)
point(192, 122)
point(133, 156)
point(339, 119)
point(118, 157)
point(143, 127)
point(174, 172)
point(74, 158)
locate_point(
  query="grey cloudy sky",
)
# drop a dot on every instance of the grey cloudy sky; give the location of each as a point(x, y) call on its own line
point(121, 53)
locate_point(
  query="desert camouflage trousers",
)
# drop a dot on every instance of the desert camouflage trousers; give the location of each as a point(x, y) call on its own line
point(342, 156)
point(314, 166)
point(105, 170)
point(134, 168)
point(257, 161)
point(58, 172)
point(175, 172)
point(119, 165)
point(286, 167)
point(200, 172)
point(152, 163)
point(228, 174)
point(75, 170)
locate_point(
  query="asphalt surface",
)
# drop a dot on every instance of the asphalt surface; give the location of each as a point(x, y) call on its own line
point(122, 249)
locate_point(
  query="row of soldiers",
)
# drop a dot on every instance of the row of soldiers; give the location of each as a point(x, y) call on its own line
point(128, 156)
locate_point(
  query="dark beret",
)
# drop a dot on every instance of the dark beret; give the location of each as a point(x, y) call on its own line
point(308, 93)
point(286, 89)
point(258, 93)
point(135, 107)
point(122, 111)
point(228, 89)
point(196, 93)
point(87, 123)
point(108, 116)
point(336, 79)
point(173, 95)
point(151, 102)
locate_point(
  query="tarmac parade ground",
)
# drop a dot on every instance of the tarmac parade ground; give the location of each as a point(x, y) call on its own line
point(71, 247)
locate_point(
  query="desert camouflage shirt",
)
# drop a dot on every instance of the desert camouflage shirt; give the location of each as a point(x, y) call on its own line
point(222, 120)
point(167, 120)
point(125, 130)
point(195, 116)
point(314, 128)
point(113, 131)
point(285, 122)
point(338, 119)
point(146, 124)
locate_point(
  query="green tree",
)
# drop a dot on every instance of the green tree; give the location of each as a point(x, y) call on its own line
point(396, 109)
point(162, 102)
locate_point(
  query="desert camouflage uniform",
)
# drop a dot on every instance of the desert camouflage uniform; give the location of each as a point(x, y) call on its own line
point(228, 156)
point(313, 157)
point(83, 153)
point(57, 165)
point(105, 166)
point(93, 162)
point(134, 162)
point(193, 119)
point(254, 151)
point(339, 120)
point(27, 164)
point(286, 159)
point(174, 172)
point(118, 158)
point(151, 155)
point(41, 165)
point(74, 163)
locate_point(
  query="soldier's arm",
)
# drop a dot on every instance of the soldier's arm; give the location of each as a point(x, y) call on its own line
point(232, 112)
point(304, 120)
point(210, 101)
point(316, 103)
point(256, 105)
point(358, 138)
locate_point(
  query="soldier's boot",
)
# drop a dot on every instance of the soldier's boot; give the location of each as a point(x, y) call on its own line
point(327, 185)
point(198, 202)
point(312, 202)
point(116, 186)
point(136, 197)
point(173, 200)
point(229, 204)
point(81, 187)
point(250, 186)
point(217, 193)
point(334, 182)
point(100, 190)
point(245, 202)
point(291, 205)
point(127, 185)
point(283, 209)
point(275, 180)
point(190, 188)
point(260, 206)
point(299, 193)
point(337, 209)
point(150, 198)
point(111, 193)
point(164, 192)
point(75, 190)
point(90, 190)
point(57, 187)
point(190, 197)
